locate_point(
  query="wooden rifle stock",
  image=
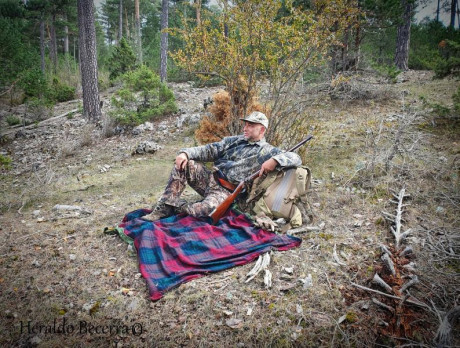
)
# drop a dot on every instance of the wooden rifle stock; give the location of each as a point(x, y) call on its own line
point(223, 207)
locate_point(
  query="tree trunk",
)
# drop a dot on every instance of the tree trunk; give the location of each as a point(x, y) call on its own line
point(66, 40)
point(138, 31)
point(42, 45)
point(437, 11)
point(345, 55)
point(88, 60)
point(120, 21)
point(403, 38)
point(198, 12)
point(453, 10)
point(128, 35)
point(53, 43)
point(164, 41)
point(358, 46)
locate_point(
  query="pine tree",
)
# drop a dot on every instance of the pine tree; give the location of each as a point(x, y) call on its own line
point(88, 60)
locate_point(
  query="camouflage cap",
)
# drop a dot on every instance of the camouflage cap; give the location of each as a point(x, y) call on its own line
point(256, 117)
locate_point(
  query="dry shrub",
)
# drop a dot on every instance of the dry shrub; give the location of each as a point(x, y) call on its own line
point(356, 89)
point(215, 127)
point(108, 125)
point(87, 136)
point(225, 112)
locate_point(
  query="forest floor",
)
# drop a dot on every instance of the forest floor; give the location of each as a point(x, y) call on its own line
point(58, 268)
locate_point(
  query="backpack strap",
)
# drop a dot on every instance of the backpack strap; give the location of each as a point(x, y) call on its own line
point(303, 178)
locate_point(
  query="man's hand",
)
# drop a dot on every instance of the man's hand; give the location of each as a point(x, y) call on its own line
point(265, 223)
point(268, 166)
point(181, 161)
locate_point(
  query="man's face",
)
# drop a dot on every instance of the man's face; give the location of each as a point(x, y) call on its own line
point(253, 131)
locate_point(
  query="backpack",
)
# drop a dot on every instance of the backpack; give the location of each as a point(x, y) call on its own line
point(282, 194)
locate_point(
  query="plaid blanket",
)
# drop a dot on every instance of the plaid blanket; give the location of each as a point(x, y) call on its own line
point(179, 248)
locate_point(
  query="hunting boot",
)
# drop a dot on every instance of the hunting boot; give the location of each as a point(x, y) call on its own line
point(160, 210)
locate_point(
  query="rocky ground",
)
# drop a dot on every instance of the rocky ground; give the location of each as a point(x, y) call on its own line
point(68, 181)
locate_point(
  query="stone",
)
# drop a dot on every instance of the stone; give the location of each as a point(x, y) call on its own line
point(146, 147)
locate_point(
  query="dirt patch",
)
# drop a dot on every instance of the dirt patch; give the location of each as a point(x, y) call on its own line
point(64, 282)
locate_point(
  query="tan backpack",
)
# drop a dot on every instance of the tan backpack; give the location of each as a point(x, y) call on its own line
point(281, 193)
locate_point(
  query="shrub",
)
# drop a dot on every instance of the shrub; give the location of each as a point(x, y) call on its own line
point(122, 60)
point(12, 120)
point(142, 98)
point(39, 109)
point(456, 100)
point(390, 72)
point(34, 83)
point(219, 123)
point(5, 162)
point(60, 92)
point(447, 67)
point(425, 59)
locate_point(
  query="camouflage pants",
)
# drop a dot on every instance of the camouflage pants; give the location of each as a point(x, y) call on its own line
point(202, 181)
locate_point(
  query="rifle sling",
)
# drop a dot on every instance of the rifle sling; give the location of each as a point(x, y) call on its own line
point(224, 183)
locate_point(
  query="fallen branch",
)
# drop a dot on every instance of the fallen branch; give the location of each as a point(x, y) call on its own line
point(22, 206)
point(389, 263)
point(407, 251)
point(336, 257)
point(302, 229)
point(40, 124)
point(414, 301)
point(410, 283)
point(385, 249)
point(379, 281)
point(399, 237)
point(443, 336)
point(383, 305)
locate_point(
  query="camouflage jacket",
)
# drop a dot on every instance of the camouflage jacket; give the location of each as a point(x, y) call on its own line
point(238, 158)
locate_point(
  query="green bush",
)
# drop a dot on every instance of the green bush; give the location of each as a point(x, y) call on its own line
point(456, 100)
point(12, 120)
point(447, 67)
point(39, 108)
point(390, 72)
point(33, 82)
point(122, 60)
point(5, 162)
point(424, 59)
point(142, 98)
point(60, 92)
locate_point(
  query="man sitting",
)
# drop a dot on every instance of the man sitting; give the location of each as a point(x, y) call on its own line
point(235, 158)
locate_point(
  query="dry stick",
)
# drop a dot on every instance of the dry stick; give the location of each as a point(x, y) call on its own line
point(407, 250)
point(410, 267)
point(336, 257)
point(398, 321)
point(389, 263)
point(22, 206)
point(444, 334)
point(410, 283)
point(303, 229)
point(416, 303)
point(388, 216)
point(397, 232)
point(383, 305)
point(381, 282)
point(385, 249)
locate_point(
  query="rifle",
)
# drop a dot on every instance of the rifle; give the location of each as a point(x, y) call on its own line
point(217, 213)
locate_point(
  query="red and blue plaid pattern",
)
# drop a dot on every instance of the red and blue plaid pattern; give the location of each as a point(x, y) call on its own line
point(179, 248)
